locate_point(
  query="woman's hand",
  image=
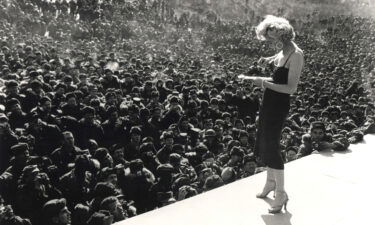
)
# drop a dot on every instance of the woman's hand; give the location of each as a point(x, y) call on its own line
point(263, 61)
point(257, 81)
point(241, 76)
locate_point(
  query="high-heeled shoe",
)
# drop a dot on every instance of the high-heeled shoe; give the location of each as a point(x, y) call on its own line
point(270, 186)
point(279, 206)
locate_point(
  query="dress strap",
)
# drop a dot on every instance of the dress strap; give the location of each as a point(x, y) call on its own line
point(288, 58)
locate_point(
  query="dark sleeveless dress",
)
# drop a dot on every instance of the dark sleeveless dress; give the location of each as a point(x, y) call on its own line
point(272, 115)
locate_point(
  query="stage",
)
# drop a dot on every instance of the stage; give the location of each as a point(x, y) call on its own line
point(325, 189)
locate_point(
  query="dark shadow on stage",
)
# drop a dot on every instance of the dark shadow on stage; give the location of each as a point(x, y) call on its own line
point(330, 153)
point(282, 218)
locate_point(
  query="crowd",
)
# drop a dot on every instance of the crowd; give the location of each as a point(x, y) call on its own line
point(95, 129)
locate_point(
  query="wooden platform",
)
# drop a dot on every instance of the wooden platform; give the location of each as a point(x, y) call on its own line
point(324, 189)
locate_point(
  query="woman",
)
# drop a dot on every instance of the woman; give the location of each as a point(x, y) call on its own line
point(276, 102)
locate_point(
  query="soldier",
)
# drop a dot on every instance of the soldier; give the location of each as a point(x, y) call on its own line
point(64, 156)
point(7, 140)
point(56, 212)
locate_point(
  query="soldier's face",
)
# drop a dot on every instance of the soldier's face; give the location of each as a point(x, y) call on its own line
point(22, 157)
point(250, 166)
point(112, 179)
point(60, 91)
point(72, 101)
point(90, 117)
point(69, 139)
point(16, 109)
point(118, 154)
point(64, 216)
point(291, 155)
point(47, 106)
point(243, 140)
point(136, 137)
point(317, 134)
point(12, 90)
point(114, 116)
point(169, 141)
point(157, 113)
point(239, 126)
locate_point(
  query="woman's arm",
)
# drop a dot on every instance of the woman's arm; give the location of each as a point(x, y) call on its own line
point(295, 69)
point(267, 60)
point(244, 77)
point(272, 58)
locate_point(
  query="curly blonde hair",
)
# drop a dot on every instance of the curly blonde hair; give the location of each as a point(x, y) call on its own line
point(282, 26)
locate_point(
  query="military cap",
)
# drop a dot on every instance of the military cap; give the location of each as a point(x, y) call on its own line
point(225, 114)
point(44, 99)
point(249, 158)
point(228, 174)
point(101, 153)
point(147, 147)
point(318, 125)
point(3, 117)
point(210, 133)
point(68, 78)
point(204, 103)
point(180, 181)
point(137, 99)
point(292, 148)
point(208, 155)
point(227, 138)
point(60, 85)
point(175, 158)
point(136, 130)
point(147, 139)
point(167, 134)
point(201, 148)
point(35, 84)
point(98, 218)
point(213, 181)
point(106, 171)
point(111, 110)
point(174, 99)
point(53, 207)
point(19, 148)
point(237, 151)
point(15, 220)
point(11, 83)
point(178, 148)
point(214, 101)
point(110, 94)
point(154, 94)
point(165, 168)
point(33, 74)
point(192, 104)
point(6, 70)
point(136, 165)
point(243, 133)
point(250, 128)
point(70, 95)
point(88, 109)
point(107, 70)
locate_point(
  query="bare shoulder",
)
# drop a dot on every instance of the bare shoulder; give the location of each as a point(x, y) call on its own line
point(298, 54)
point(296, 59)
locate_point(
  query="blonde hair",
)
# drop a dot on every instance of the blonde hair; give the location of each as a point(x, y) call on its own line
point(282, 26)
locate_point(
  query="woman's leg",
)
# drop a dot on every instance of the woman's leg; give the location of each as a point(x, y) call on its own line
point(270, 184)
point(281, 197)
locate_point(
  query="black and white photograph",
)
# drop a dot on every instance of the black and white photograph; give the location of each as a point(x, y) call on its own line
point(187, 112)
